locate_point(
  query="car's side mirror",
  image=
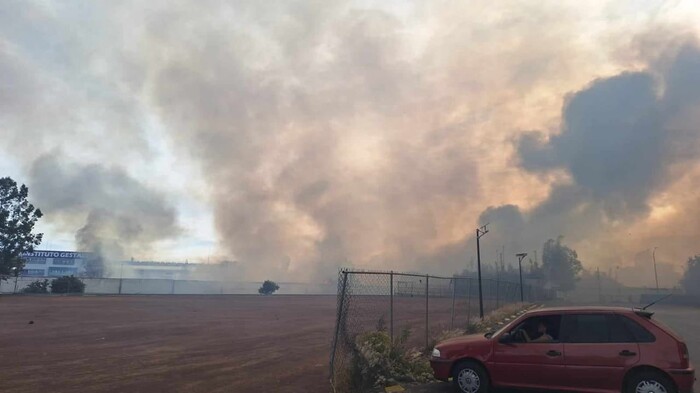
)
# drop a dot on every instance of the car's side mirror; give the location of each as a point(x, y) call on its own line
point(506, 338)
point(488, 334)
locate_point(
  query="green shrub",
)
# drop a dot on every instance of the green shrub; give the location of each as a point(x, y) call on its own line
point(67, 284)
point(37, 287)
point(268, 288)
point(376, 363)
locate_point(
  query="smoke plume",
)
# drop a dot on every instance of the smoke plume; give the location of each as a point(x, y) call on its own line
point(625, 142)
point(321, 134)
point(116, 216)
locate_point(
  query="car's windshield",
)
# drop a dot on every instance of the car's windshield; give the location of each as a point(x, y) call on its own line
point(500, 330)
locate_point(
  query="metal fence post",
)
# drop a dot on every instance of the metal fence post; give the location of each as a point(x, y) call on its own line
point(454, 292)
point(498, 294)
point(427, 295)
point(341, 301)
point(391, 306)
point(469, 301)
point(121, 276)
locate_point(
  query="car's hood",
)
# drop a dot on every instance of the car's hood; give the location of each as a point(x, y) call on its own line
point(468, 339)
point(475, 345)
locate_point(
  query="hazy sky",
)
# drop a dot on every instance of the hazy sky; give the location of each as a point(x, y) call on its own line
point(297, 137)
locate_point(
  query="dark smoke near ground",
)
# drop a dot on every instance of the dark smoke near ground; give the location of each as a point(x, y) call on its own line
point(116, 217)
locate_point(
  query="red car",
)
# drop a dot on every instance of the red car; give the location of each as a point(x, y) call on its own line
point(585, 349)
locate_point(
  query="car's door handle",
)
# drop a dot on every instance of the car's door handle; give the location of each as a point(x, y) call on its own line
point(553, 353)
point(628, 353)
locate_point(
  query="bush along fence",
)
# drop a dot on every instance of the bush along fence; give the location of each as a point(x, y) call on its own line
point(392, 312)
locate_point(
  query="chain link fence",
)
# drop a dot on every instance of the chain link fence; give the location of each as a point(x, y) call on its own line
point(420, 306)
point(158, 286)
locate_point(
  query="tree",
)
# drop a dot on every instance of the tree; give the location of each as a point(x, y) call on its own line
point(17, 219)
point(37, 287)
point(560, 264)
point(535, 269)
point(67, 284)
point(691, 277)
point(268, 288)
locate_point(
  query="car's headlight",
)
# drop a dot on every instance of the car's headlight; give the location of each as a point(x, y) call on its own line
point(436, 353)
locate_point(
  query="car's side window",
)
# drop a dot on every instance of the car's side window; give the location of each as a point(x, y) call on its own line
point(637, 331)
point(585, 328)
point(618, 331)
point(603, 328)
point(537, 329)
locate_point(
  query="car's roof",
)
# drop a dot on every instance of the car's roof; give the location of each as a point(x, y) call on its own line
point(570, 309)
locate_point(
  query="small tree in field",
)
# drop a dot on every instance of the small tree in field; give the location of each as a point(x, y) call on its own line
point(39, 286)
point(17, 219)
point(691, 278)
point(268, 288)
point(561, 264)
point(67, 284)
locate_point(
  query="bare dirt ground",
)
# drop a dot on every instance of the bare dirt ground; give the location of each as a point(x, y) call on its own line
point(181, 343)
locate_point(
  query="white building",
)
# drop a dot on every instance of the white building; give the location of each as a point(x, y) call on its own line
point(161, 270)
point(51, 263)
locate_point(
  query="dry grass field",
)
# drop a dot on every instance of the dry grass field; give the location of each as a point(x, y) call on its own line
point(193, 343)
point(165, 343)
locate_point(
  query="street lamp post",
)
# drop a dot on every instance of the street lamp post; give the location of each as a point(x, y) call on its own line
point(520, 267)
point(656, 275)
point(479, 233)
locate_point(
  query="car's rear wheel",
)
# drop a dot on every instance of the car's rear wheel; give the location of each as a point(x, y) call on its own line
point(649, 382)
point(470, 377)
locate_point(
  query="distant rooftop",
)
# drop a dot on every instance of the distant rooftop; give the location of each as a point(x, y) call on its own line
point(157, 263)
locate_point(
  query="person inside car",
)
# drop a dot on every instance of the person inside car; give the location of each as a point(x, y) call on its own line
point(543, 337)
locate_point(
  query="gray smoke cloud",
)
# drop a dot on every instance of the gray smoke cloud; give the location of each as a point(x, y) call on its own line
point(623, 140)
point(57, 94)
point(314, 163)
point(115, 216)
point(317, 139)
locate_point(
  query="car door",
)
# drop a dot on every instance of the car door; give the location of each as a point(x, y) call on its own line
point(598, 350)
point(529, 365)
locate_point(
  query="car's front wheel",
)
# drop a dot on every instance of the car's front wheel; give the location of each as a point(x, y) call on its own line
point(649, 382)
point(470, 377)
